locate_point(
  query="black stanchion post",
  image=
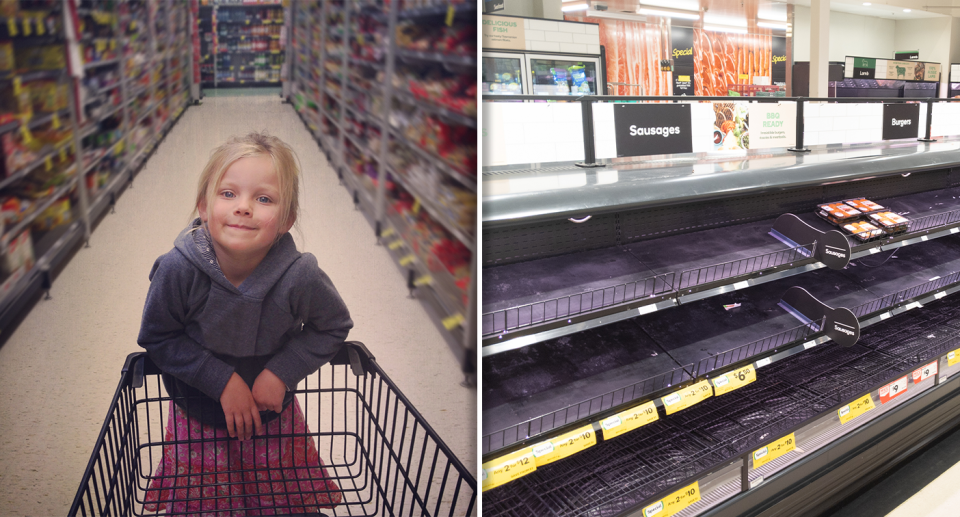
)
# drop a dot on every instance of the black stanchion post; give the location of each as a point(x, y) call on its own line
point(589, 144)
point(929, 122)
point(799, 148)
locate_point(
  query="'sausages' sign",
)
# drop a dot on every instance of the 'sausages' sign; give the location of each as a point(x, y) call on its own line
point(646, 129)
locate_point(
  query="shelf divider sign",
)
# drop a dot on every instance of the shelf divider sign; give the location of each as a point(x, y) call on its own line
point(508, 468)
point(772, 125)
point(855, 408)
point(564, 445)
point(774, 450)
point(687, 397)
point(675, 502)
point(646, 129)
point(629, 420)
point(953, 357)
point(893, 390)
point(925, 372)
point(901, 121)
point(734, 380)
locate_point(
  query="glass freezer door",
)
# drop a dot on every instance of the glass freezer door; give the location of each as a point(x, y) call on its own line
point(503, 74)
point(560, 75)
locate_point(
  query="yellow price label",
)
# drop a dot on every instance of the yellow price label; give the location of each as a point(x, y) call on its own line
point(55, 121)
point(629, 420)
point(117, 149)
point(48, 163)
point(100, 44)
point(248, 22)
point(26, 27)
point(423, 280)
point(564, 445)
point(953, 357)
point(113, 44)
point(855, 408)
point(26, 134)
point(12, 26)
point(41, 27)
point(687, 397)
point(361, 39)
point(451, 322)
point(386, 233)
point(416, 206)
point(508, 468)
point(744, 77)
point(17, 85)
point(63, 154)
point(675, 502)
point(274, 51)
point(395, 244)
point(133, 24)
point(774, 450)
point(684, 78)
point(734, 380)
point(450, 13)
point(231, 68)
point(406, 260)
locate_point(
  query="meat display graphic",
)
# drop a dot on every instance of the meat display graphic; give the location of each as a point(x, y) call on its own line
point(720, 59)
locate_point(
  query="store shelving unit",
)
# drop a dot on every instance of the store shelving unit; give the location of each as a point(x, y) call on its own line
point(70, 150)
point(618, 298)
point(242, 43)
point(388, 91)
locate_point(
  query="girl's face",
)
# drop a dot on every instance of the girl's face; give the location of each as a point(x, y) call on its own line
point(245, 218)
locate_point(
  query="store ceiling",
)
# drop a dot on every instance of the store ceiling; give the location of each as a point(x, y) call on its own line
point(734, 12)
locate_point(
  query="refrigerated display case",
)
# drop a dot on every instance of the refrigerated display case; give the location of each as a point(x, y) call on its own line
point(611, 295)
point(503, 74)
point(562, 75)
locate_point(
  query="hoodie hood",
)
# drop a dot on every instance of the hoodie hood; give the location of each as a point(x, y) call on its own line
point(280, 257)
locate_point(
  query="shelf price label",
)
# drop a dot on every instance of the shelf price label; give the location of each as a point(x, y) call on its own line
point(734, 380)
point(893, 390)
point(17, 85)
point(12, 26)
point(395, 244)
point(41, 29)
point(629, 420)
point(48, 163)
point(450, 13)
point(774, 450)
point(423, 280)
point(451, 322)
point(855, 408)
point(55, 121)
point(416, 206)
point(953, 357)
point(26, 27)
point(675, 502)
point(508, 468)
point(687, 397)
point(406, 260)
point(564, 445)
point(26, 134)
point(387, 232)
point(925, 372)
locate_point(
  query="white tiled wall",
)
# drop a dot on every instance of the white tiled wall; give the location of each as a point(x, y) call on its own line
point(837, 123)
point(557, 36)
point(515, 133)
point(946, 119)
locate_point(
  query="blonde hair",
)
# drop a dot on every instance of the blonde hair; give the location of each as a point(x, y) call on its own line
point(286, 164)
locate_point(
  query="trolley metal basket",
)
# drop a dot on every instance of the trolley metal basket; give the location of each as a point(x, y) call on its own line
point(376, 446)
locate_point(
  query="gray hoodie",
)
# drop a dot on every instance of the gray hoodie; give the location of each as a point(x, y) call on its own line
point(200, 328)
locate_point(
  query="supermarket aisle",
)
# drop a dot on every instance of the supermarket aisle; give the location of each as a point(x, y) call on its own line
point(61, 367)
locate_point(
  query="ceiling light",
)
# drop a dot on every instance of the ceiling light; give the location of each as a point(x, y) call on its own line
point(867, 3)
point(772, 25)
point(723, 28)
point(575, 7)
point(906, 10)
point(684, 15)
point(617, 16)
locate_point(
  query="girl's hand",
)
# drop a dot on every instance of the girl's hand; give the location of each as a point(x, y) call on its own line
point(240, 409)
point(268, 391)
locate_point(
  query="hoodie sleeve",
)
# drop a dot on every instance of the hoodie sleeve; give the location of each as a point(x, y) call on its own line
point(326, 323)
point(162, 329)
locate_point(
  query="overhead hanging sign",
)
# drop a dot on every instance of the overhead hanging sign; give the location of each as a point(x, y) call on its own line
point(503, 32)
point(906, 54)
point(901, 121)
point(646, 129)
point(870, 68)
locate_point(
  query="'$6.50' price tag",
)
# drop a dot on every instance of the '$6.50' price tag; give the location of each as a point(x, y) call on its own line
point(564, 445)
point(674, 502)
point(733, 380)
point(687, 397)
point(508, 468)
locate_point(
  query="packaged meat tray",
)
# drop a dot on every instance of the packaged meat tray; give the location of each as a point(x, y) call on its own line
point(838, 213)
point(864, 206)
point(890, 222)
point(863, 230)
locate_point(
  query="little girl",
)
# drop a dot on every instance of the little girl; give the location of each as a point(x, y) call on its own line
point(236, 317)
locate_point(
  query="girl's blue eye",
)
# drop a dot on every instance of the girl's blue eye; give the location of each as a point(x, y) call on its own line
point(263, 199)
point(228, 194)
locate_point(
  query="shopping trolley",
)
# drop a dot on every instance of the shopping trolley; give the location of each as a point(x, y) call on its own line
point(376, 446)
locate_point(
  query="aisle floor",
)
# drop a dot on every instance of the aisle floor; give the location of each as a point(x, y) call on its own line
point(61, 366)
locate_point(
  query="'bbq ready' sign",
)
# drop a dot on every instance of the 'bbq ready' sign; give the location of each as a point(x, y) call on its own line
point(645, 129)
point(901, 121)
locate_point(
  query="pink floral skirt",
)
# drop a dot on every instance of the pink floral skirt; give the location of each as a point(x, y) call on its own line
point(220, 476)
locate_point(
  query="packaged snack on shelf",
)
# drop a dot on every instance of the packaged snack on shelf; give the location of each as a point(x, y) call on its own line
point(838, 213)
point(7, 61)
point(16, 154)
point(891, 222)
point(48, 96)
point(50, 57)
point(9, 8)
point(865, 206)
point(863, 230)
point(18, 255)
point(56, 215)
